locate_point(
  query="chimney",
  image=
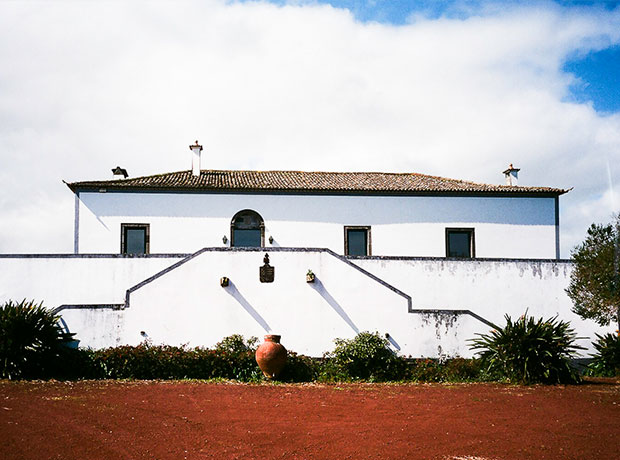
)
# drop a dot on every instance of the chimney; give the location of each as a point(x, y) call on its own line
point(512, 175)
point(196, 149)
point(120, 173)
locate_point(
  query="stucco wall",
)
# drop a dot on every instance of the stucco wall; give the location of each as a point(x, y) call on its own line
point(401, 225)
point(489, 288)
point(69, 279)
point(186, 304)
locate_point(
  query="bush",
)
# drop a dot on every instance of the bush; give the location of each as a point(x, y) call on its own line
point(529, 351)
point(168, 362)
point(425, 370)
point(606, 360)
point(300, 368)
point(365, 357)
point(144, 361)
point(31, 340)
point(449, 370)
point(236, 343)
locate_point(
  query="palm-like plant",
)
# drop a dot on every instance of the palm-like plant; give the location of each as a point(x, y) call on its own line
point(530, 351)
point(606, 360)
point(30, 339)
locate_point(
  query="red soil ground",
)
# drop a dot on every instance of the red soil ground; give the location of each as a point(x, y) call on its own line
point(193, 420)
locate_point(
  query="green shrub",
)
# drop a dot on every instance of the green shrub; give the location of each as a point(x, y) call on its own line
point(448, 370)
point(463, 370)
point(365, 357)
point(529, 351)
point(424, 370)
point(31, 340)
point(144, 361)
point(232, 358)
point(300, 368)
point(606, 360)
point(236, 343)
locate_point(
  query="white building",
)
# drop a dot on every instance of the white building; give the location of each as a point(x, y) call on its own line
point(377, 214)
point(429, 261)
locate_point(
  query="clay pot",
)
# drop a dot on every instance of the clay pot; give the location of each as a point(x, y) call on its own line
point(271, 356)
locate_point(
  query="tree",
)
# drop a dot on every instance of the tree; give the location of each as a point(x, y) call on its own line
point(595, 281)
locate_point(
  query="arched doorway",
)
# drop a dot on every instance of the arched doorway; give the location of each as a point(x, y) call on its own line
point(247, 229)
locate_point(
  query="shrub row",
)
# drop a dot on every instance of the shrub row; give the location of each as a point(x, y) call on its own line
point(33, 345)
point(146, 362)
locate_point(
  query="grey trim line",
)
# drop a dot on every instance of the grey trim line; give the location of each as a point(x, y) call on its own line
point(92, 256)
point(184, 254)
point(524, 194)
point(94, 306)
point(456, 312)
point(457, 259)
point(219, 249)
point(76, 225)
point(557, 227)
point(189, 257)
point(160, 274)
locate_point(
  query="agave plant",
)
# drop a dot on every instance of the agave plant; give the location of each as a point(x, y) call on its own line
point(30, 339)
point(606, 360)
point(529, 350)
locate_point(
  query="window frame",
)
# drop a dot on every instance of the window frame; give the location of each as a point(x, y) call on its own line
point(261, 227)
point(131, 226)
point(472, 241)
point(367, 228)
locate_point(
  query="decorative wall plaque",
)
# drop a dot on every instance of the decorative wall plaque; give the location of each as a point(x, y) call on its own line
point(267, 272)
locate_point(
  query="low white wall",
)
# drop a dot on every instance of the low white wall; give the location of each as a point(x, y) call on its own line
point(68, 279)
point(489, 288)
point(186, 305)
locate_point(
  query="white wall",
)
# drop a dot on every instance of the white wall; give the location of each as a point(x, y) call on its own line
point(65, 279)
point(401, 225)
point(490, 289)
point(187, 305)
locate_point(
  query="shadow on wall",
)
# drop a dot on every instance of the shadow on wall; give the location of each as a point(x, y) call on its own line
point(393, 342)
point(320, 288)
point(300, 208)
point(234, 293)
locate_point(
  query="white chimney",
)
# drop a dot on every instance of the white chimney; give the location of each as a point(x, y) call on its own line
point(196, 149)
point(512, 175)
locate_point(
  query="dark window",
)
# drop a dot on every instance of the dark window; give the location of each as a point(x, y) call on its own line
point(247, 229)
point(134, 238)
point(357, 241)
point(460, 242)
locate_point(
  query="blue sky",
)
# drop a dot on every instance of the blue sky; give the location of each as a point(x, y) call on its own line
point(597, 73)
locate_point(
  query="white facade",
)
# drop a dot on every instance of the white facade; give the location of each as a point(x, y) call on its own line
point(429, 307)
point(505, 227)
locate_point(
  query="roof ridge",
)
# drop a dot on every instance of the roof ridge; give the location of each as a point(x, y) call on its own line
point(323, 181)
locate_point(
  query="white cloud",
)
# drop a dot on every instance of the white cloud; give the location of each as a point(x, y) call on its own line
point(87, 86)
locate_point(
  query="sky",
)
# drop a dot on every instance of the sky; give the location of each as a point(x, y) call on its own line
point(458, 89)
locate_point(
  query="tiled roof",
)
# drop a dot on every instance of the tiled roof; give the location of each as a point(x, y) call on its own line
point(300, 181)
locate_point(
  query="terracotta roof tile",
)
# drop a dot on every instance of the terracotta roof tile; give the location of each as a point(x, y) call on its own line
point(300, 181)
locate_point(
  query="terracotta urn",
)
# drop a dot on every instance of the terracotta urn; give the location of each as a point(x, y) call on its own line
point(271, 356)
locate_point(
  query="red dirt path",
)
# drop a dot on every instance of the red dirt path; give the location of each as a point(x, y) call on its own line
point(177, 420)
